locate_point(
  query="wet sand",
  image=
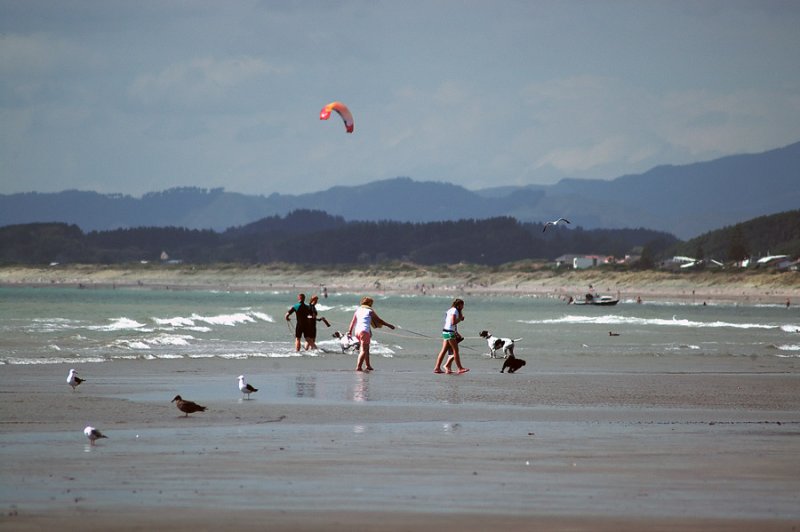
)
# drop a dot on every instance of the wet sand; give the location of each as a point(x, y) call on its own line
point(321, 447)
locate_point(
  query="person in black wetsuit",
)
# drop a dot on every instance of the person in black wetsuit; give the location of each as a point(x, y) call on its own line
point(304, 320)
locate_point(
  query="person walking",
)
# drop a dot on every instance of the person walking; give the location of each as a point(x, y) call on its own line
point(301, 328)
point(364, 318)
point(451, 339)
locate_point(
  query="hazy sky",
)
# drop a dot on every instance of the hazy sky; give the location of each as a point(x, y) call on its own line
point(139, 96)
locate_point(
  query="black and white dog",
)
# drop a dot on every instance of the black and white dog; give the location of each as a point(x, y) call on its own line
point(512, 363)
point(347, 342)
point(496, 344)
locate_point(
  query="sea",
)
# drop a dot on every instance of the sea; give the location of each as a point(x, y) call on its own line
point(72, 325)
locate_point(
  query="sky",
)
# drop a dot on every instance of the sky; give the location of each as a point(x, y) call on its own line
point(135, 97)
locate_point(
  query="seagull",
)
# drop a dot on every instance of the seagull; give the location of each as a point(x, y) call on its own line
point(93, 434)
point(556, 222)
point(245, 388)
point(187, 407)
point(73, 379)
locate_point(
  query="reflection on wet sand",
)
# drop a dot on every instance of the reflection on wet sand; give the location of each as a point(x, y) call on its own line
point(305, 386)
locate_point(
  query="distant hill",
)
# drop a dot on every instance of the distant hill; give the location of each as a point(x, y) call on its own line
point(685, 200)
point(777, 234)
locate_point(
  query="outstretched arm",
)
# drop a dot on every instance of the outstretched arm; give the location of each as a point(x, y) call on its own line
point(381, 321)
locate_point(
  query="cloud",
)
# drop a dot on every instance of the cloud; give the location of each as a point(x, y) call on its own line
point(198, 81)
point(37, 55)
point(597, 124)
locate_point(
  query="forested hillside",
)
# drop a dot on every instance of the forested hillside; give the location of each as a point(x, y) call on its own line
point(314, 237)
point(777, 234)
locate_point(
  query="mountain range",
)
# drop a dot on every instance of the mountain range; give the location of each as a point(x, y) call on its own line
point(685, 200)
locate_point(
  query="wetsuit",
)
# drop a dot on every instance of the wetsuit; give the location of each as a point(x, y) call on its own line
point(304, 320)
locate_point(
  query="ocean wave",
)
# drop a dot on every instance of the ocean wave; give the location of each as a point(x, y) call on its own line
point(160, 340)
point(50, 360)
point(263, 317)
point(47, 325)
point(177, 321)
point(787, 347)
point(791, 328)
point(691, 347)
point(119, 324)
point(629, 320)
point(229, 320)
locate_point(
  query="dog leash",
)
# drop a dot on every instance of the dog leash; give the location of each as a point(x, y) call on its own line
point(428, 337)
point(415, 333)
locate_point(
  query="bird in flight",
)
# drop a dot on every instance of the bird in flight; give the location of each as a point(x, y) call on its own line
point(555, 222)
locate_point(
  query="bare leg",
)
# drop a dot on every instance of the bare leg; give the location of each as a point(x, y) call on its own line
point(367, 364)
point(452, 347)
point(440, 356)
point(363, 356)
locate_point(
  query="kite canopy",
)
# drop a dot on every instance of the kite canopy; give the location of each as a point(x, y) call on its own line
point(343, 111)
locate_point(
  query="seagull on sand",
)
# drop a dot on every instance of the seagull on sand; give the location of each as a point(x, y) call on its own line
point(187, 407)
point(245, 388)
point(73, 379)
point(93, 434)
point(554, 222)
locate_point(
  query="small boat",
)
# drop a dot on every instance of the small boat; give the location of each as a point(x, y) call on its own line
point(594, 299)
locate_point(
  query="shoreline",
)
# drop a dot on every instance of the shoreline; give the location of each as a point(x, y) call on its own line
point(740, 287)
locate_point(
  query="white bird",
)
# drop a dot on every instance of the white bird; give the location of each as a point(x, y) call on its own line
point(93, 434)
point(73, 379)
point(245, 388)
point(555, 222)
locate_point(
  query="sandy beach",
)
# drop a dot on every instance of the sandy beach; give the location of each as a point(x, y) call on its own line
point(657, 444)
point(749, 286)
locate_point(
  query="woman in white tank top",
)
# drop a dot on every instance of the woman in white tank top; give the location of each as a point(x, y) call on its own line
point(451, 338)
point(364, 318)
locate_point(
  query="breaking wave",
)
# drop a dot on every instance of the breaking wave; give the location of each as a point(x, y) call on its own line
point(629, 320)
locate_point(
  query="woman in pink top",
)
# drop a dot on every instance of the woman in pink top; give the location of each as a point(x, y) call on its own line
point(361, 325)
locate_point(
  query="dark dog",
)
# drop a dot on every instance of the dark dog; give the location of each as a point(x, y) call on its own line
point(496, 344)
point(512, 363)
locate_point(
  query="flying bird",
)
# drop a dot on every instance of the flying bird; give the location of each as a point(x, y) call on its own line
point(555, 222)
point(93, 434)
point(187, 407)
point(73, 379)
point(245, 388)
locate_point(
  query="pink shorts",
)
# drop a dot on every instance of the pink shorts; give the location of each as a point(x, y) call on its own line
point(364, 337)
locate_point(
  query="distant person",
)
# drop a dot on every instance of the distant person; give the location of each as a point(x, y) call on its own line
point(303, 313)
point(364, 318)
point(451, 339)
point(788, 303)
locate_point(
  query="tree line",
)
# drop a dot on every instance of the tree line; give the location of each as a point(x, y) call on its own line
point(314, 237)
point(775, 234)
